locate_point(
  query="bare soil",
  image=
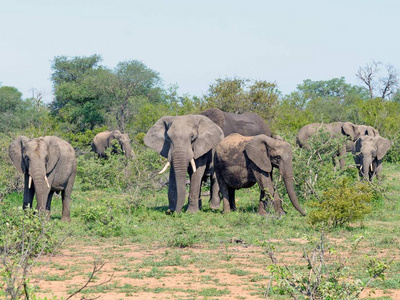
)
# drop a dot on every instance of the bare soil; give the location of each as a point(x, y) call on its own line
point(134, 272)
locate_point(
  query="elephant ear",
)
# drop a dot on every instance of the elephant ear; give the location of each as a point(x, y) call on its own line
point(209, 135)
point(357, 145)
point(15, 152)
point(383, 146)
point(257, 151)
point(155, 136)
point(349, 129)
point(114, 135)
point(54, 152)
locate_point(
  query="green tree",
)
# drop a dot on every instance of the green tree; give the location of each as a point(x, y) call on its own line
point(78, 101)
point(239, 95)
point(128, 87)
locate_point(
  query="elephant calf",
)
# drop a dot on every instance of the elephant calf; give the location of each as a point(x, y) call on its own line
point(242, 161)
point(49, 165)
point(368, 154)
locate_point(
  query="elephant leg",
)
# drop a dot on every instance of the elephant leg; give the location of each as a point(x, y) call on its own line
point(215, 200)
point(66, 198)
point(266, 184)
point(48, 203)
point(232, 202)
point(195, 188)
point(223, 188)
point(28, 193)
point(342, 156)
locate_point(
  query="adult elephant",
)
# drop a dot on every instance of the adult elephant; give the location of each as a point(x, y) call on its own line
point(242, 161)
point(49, 165)
point(368, 154)
point(106, 139)
point(337, 129)
point(248, 124)
point(187, 142)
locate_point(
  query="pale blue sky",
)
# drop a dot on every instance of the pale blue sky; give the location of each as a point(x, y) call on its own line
point(192, 43)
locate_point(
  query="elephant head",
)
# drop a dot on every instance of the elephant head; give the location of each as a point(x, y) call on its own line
point(36, 158)
point(356, 131)
point(368, 154)
point(123, 140)
point(182, 139)
point(266, 152)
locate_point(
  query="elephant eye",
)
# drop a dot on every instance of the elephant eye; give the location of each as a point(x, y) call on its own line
point(46, 159)
point(192, 137)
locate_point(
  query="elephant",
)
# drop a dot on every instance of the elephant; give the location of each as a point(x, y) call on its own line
point(187, 142)
point(336, 129)
point(241, 161)
point(49, 165)
point(104, 140)
point(248, 124)
point(368, 154)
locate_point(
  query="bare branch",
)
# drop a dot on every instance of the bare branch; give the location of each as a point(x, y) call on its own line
point(97, 266)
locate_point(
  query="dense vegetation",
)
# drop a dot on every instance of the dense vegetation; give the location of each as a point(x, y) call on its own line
point(111, 197)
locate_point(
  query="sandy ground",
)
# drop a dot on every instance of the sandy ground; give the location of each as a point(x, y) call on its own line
point(133, 272)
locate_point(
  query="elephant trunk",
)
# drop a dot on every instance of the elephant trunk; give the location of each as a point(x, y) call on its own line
point(289, 183)
point(367, 168)
point(180, 164)
point(128, 151)
point(42, 188)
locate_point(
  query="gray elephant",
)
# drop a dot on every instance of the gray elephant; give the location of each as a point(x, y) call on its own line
point(49, 165)
point(106, 139)
point(187, 142)
point(336, 129)
point(248, 124)
point(368, 154)
point(242, 161)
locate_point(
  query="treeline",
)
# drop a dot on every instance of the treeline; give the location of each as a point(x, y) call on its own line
point(90, 97)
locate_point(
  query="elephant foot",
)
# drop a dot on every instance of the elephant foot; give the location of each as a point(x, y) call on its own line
point(169, 211)
point(215, 203)
point(192, 209)
point(65, 219)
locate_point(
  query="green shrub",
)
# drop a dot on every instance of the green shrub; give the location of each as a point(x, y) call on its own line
point(341, 204)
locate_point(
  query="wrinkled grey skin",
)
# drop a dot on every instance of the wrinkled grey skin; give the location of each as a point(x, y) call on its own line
point(242, 161)
point(45, 156)
point(247, 124)
point(368, 154)
point(336, 129)
point(179, 139)
point(104, 140)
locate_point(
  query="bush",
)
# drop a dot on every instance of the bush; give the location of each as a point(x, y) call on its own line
point(118, 172)
point(10, 179)
point(342, 204)
point(24, 236)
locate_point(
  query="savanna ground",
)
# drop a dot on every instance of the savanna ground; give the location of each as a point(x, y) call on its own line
point(150, 255)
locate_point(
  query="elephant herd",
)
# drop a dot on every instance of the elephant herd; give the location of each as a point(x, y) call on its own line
point(234, 150)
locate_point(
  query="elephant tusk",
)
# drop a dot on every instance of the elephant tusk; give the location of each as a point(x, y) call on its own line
point(192, 162)
point(165, 167)
point(30, 182)
point(371, 167)
point(45, 178)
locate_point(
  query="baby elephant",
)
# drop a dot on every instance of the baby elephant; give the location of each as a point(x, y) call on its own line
point(49, 166)
point(242, 161)
point(368, 154)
